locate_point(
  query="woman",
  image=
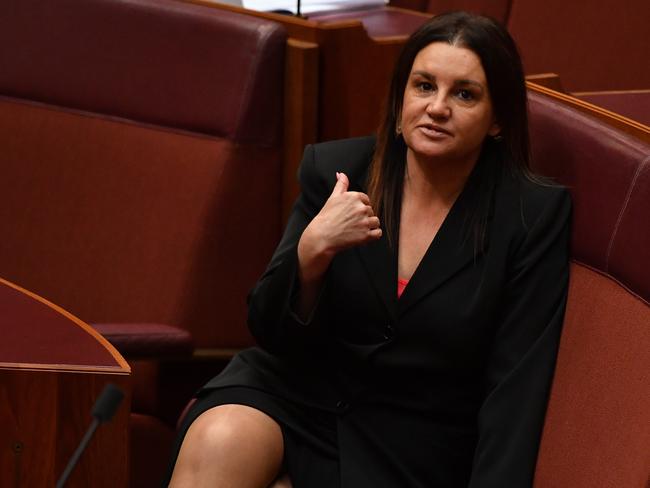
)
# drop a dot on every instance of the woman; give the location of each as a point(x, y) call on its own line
point(445, 386)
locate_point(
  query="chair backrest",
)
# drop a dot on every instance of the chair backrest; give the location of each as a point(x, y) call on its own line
point(633, 104)
point(597, 431)
point(619, 120)
point(141, 156)
point(599, 45)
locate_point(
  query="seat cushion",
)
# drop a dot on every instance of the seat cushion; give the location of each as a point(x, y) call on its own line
point(596, 432)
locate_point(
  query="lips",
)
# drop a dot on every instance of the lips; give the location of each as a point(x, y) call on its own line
point(433, 130)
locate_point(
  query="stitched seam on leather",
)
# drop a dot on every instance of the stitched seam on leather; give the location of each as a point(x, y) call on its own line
point(612, 278)
point(264, 33)
point(623, 209)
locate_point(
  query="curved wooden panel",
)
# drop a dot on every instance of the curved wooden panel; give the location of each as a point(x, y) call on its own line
point(40, 335)
point(52, 368)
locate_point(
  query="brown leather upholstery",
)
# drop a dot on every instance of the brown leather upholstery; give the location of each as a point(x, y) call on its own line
point(153, 223)
point(152, 61)
point(140, 224)
point(601, 166)
point(599, 45)
point(629, 256)
point(597, 431)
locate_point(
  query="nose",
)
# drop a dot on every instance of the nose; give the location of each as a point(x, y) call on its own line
point(438, 108)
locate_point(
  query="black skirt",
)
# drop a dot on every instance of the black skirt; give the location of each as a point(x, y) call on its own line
point(310, 445)
point(367, 442)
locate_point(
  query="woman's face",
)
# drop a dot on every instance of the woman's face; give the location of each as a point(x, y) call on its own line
point(447, 110)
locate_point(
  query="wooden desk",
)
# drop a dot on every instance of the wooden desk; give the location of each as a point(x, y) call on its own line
point(52, 368)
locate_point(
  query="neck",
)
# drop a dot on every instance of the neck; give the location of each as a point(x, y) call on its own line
point(436, 181)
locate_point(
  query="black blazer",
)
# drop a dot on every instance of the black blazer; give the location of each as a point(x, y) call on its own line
point(451, 380)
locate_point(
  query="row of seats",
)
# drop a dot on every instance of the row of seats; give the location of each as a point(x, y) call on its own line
point(143, 152)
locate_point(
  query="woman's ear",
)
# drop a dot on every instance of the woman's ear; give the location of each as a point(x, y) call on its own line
point(494, 129)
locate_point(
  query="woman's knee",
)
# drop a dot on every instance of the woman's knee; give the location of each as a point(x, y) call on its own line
point(232, 439)
point(234, 427)
point(282, 482)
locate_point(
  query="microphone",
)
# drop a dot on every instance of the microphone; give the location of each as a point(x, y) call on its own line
point(105, 407)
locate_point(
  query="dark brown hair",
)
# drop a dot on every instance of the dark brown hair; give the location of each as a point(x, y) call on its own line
point(500, 60)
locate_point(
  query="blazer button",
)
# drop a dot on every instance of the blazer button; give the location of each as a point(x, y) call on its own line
point(342, 406)
point(389, 332)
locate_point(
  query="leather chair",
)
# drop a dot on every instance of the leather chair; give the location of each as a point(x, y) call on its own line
point(596, 432)
point(141, 189)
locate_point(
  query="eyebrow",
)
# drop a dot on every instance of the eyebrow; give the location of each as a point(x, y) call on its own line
point(428, 76)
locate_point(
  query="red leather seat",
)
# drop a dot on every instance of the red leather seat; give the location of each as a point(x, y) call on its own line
point(597, 431)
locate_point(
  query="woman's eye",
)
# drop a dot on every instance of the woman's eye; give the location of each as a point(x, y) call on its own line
point(465, 95)
point(425, 86)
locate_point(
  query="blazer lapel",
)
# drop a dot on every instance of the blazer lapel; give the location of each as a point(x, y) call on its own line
point(451, 250)
point(380, 262)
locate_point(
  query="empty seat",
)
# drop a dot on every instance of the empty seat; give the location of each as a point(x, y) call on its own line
point(596, 431)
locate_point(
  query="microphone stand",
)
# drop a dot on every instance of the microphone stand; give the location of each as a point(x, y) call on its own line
point(105, 407)
point(77, 454)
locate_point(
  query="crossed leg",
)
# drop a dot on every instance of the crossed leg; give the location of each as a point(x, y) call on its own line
point(231, 446)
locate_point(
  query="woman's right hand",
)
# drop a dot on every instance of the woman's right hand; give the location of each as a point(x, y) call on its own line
point(346, 220)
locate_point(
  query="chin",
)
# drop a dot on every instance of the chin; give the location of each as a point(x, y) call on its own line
point(430, 150)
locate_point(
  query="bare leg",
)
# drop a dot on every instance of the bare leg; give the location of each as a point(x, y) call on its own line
point(230, 446)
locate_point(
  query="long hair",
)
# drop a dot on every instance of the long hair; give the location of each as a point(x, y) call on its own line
point(501, 62)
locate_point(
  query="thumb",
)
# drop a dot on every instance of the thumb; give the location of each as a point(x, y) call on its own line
point(342, 184)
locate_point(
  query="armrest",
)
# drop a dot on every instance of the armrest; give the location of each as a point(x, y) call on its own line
point(147, 340)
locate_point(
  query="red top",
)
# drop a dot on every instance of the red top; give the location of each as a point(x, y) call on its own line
point(401, 284)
